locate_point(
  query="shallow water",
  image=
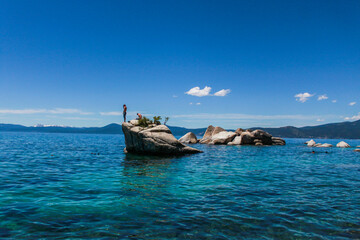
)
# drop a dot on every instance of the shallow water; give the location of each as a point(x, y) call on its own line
point(58, 186)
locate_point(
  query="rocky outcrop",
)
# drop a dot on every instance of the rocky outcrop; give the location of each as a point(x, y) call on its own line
point(239, 137)
point(342, 144)
point(157, 140)
point(188, 138)
point(357, 150)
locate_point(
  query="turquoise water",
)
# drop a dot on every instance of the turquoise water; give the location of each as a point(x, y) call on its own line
point(76, 186)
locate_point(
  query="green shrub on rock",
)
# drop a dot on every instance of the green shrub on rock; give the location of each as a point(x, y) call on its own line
point(144, 122)
point(157, 120)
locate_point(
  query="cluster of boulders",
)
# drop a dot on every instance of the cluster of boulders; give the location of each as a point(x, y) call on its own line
point(312, 143)
point(153, 139)
point(219, 136)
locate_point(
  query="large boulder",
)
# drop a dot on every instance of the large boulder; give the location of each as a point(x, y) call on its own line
point(246, 138)
point(311, 143)
point(210, 131)
point(342, 144)
point(223, 137)
point(207, 135)
point(265, 137)
point(188, 138)
point(156, 140)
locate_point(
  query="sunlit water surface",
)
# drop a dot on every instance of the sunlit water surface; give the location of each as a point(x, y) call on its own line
point(58, 186)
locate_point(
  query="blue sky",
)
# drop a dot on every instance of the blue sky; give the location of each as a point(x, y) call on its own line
point(77, 62)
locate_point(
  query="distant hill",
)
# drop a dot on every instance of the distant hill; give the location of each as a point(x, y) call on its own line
point(349, 130)
point(180, 131)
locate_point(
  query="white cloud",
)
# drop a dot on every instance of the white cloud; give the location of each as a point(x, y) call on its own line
point(196, 91)
point(303, 97)
point(356, 117)
point(111, 113)
point(198, 103)
point(322, 97)
point(222, 93)
point(174, 96)
point(334, 101)
point(52, 111)
point(352, 103)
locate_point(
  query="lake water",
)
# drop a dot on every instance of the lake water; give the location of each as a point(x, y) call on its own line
point(59, 186)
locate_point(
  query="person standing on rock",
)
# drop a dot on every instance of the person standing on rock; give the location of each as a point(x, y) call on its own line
point(139, 116)
point(124, 112)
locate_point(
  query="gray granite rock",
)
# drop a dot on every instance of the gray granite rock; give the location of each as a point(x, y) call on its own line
point(188, 138)
point(156, 140)
point(311, 143)
point(342, 144)
point(223, 137)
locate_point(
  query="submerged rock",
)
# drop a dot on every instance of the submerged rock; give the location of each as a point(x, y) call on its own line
point(156, 140)
point(342, 144)
point(188, 138)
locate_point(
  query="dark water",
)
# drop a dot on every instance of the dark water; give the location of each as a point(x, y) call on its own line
point(74, 186)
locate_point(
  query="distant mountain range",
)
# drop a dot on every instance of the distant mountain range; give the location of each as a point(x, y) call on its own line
point(108, 129)
point(348, 130)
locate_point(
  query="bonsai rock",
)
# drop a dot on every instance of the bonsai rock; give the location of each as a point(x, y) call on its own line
point(156, 140)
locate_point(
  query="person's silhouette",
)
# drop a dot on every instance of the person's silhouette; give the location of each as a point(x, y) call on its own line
point(124, 112)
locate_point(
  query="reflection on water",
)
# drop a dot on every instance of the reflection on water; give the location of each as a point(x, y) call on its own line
point(83, 186)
